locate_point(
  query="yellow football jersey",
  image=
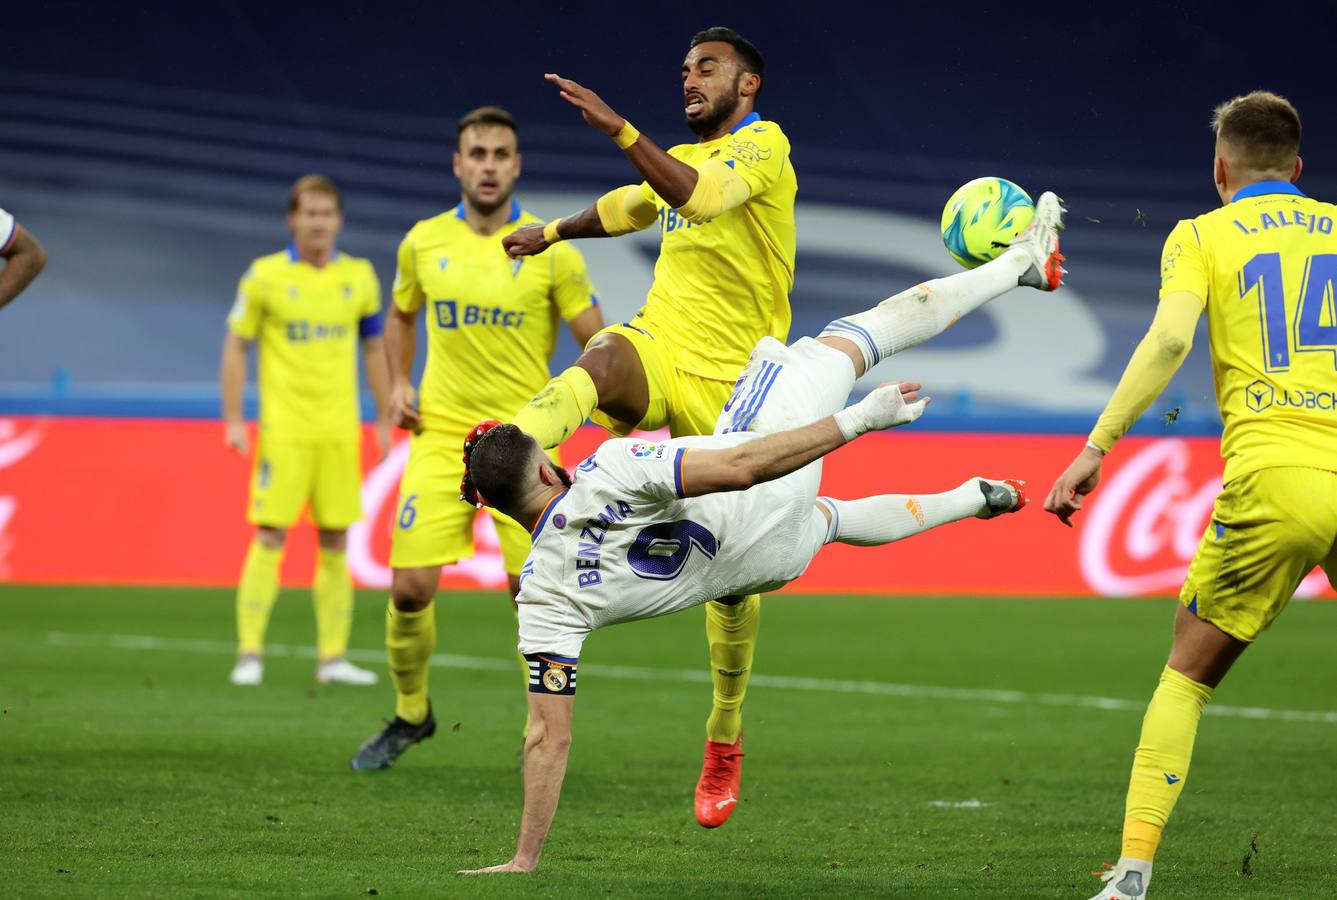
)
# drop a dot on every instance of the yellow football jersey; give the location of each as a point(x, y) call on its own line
point(307, 323)
point(722, 286)
point(1265, 268)
point(491, 321)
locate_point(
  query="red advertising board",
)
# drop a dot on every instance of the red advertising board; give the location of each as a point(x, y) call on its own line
point(144, 501)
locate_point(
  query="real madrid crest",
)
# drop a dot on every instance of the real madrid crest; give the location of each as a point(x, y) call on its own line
point(554, 678)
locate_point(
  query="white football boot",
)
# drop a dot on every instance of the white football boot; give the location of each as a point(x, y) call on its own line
point(1126, 881)
point(1001, 497)
point(341, 671)
point(248, 672)
point(1040, 241)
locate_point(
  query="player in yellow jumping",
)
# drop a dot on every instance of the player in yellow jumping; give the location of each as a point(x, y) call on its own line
point(1264, 268)
point(307, 308)
point(492, 323)
point(725, 210)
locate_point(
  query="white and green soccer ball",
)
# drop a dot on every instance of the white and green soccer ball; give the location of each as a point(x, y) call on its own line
point(982, 218)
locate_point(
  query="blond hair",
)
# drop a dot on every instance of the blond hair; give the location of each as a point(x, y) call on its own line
point(313, 184)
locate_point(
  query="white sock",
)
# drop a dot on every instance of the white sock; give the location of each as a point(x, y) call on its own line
point(873, 521)
point(926, 310)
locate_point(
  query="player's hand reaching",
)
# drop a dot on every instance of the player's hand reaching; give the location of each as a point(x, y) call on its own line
point(404, 407)
point(526, 240)
point(887, 406)
point(1078, 480)
point(596, 112)
point(235, 436)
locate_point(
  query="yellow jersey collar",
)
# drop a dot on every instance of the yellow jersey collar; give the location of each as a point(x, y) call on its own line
point(513, 217)
point(294, 256)
point(748, 119)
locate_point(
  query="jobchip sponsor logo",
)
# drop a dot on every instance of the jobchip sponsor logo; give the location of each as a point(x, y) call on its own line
point(1260, 396)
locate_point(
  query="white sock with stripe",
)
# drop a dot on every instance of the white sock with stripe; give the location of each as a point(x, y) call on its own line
point(926, 310)
point(873, 521)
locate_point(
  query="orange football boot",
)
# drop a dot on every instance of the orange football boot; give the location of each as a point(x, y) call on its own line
point(717, 790)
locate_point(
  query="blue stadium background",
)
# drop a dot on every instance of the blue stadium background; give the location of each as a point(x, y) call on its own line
point(150, 146)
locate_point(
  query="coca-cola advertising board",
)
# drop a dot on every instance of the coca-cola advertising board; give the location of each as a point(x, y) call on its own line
point(162, 502)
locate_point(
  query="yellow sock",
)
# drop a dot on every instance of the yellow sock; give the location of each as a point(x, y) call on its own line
point(1161, 762)
point(732, 632)
point(560, 408)
point(332, 594)
point(256, 593)
point(410, 638)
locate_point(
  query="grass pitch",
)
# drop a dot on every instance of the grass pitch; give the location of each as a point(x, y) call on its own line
point(896, 747)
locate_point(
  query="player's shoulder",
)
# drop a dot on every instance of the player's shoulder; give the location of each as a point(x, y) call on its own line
point(441, 225)
point(349, 261)
point(359, 266)
point(269, 263)
point(766, 132)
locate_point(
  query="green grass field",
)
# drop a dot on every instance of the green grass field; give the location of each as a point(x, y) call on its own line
point(878, 764)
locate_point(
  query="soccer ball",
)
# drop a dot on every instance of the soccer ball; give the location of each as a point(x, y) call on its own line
point(982, 218)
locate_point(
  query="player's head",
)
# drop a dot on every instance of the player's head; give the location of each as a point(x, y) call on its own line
point(315, 213)
point(721, 78)
point(1257, 139)
point(512, 473)
point(487, 158)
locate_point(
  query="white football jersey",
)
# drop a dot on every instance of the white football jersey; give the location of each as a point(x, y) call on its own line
point(8, 228)
point(622, 543)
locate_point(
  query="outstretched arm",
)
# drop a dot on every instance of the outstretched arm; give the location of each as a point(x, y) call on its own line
point(1159, 355)
point(24, 259)
point(670, 178)
point(546, 749)
point(620, 211)
point(776, 455)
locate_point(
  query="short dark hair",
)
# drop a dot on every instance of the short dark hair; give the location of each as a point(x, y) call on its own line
point(313, 184)
point(486, 115)
point(746, 50)
point(1262, 129)
point(498, 463)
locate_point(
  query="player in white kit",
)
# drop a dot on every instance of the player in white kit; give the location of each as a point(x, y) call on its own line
point(23, 257)
point(645, 528)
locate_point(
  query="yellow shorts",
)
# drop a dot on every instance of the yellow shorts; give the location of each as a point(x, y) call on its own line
point(433, 526)
point(1269, 529)
point(682, 401)
point(289, 475)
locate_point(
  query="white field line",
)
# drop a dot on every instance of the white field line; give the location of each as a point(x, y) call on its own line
point(701, 676)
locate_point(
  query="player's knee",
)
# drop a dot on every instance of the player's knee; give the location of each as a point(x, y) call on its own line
point(410, 591)
point(331, 539)
point(270, 537)
point(600, 360)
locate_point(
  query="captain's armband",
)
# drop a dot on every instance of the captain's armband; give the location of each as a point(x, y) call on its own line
point(551, 674)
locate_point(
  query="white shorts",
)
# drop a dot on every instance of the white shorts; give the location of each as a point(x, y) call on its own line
point(788, 387)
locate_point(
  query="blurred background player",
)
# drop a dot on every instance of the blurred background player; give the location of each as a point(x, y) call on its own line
point(488, 347)
point(308, 307)
point(23, 256)
point(1264, 267)
point(725, 208)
